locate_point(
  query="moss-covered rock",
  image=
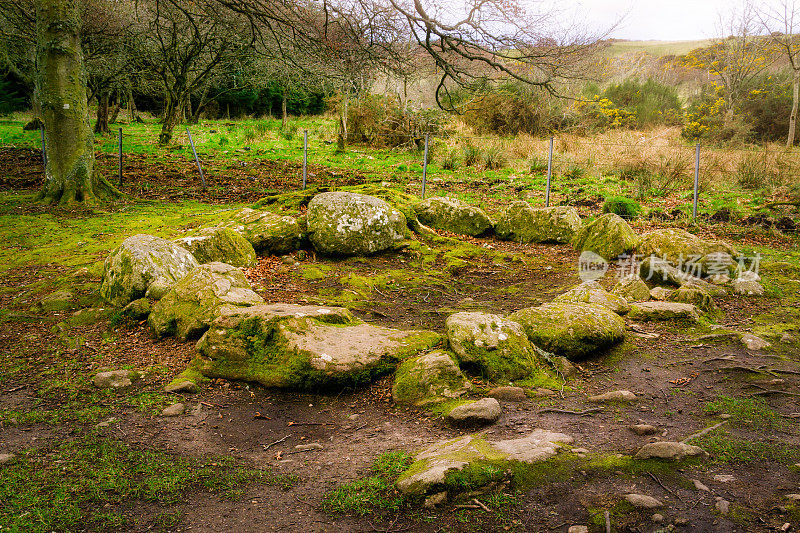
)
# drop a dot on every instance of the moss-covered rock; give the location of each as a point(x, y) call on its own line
point(344, 223)
point(633, 289)
point(429, 379)
point(521, 222)
point(223, 245)
point(572, 330)
point(659, 270)
point(138, 309)
point(609, 236)
point(697, 297)
point(269, 233)
point(688, 252)
point(496, 346)
point(303, 347)
point(58, 301)
point(662, 311)
point(192, 304)
point(143, 265)
point(593, 293)
point(450, 214)
point(434, 466)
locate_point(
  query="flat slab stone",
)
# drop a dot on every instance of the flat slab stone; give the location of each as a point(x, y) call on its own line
point(642, 501)
point(429, 471)
point(613, 396)
point(668, 450)
point(663, 311)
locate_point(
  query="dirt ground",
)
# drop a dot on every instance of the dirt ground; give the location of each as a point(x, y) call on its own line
point(675, 375)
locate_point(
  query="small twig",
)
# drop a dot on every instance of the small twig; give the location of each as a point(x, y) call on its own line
point(270, 445)
point(311, 424)
point(579, 413)
point(15, 389)
point(481, 505)
point(467, 506)
point(705, 431)
point(664, 486)
point(207, 404)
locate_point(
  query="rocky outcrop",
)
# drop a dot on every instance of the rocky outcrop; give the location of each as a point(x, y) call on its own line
point(429, 379)
point(303, 347)
point(593, 293)
point(661, 311)
point(450, 214)
point(609, 236)
point(521, 222)
point(342, 223)
point(268, 232)
point(192, 304)
point(688, 252)
point(143, 265)
point(572, 330)
point(222, 245)
point(633, 289)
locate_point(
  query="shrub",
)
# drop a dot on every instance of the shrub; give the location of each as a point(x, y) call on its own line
point(751, 172)
point(631, 104)
point(538, 165)
point(472, 155)
point(511, 109)
point(624, 207)
point(381, 122)
point(494, 158)
point(450, 160)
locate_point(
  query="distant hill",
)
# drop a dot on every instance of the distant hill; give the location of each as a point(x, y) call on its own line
point(654, 48)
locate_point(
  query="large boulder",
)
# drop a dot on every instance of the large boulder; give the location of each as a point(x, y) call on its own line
point(433, 466)
point(593, 293)
point(143, 265)
point(572, 330)
point(609, 236)
point(496, 346)
point(523, 223)
point(344, 223)
point(450, 214)
point(303, 347)
point(687, 252)
point(633, 289)
point(268, 232)
point(192, 304)
point(664, 311)
point(429, 379)
point(220, 244)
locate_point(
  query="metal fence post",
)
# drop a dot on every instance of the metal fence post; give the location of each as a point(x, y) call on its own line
point(549, 173)
point(120, 156)
point(196, 159)
point(696, 179)
point(305, 158)
point(425, 166)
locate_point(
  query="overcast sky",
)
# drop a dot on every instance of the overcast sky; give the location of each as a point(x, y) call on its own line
point(667, 20)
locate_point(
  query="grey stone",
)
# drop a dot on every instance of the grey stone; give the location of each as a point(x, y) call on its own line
point(143, 265)
point(722, 505)
point(613, 396)
point(175, 409)
point(138, 309)
point(578, 529)
point(663, 311)
point(222, 245)
point(344, 223)
point(435, 500)
point(592, 292)
point(659, 294)
point(700, 486)
point(453, 215)
point(747, 287)
point(724, 478)
point(6, 458)
point(644, 429)
point(509, 394)
point(182, 387)
point(115, 379)
point(608, 236)
point(429, 379)
point(633, 289)
point(793, 497)
point(481, 412)
point(753, 342)
point(523, 223)
point(657, 518)
point(267, 232)
point(668, 450)
point(57, 301)
point(642, 501)
point(309, 447)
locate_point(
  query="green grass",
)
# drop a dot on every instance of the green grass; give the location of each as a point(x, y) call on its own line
point(374, 493)
point(752, 413)
point(724, 447)
point(67, 487)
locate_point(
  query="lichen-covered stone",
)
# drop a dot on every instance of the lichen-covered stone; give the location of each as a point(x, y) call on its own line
point(268, 232)
point(190, 306)
point(661, 311)
point(429, 379)
point(478, 413)
point(572, 330)
point(709, 288)
point(223, 245)
point(659, 270)
point(450, 214)
point(633, 289)
point(138, 309)
point(697, 297)
point(303, 347)
point(497, 346)
point(684, 250)
point(115, 379)
point(746, 287)
point(431, 468)
point(593, 293)
point(609, 236)
point(521, 222)
point(674, 451)
point(143, 265)
point(57, 301)
point(344, 223)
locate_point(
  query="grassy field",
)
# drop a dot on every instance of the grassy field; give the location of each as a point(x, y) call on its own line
point(656, 48)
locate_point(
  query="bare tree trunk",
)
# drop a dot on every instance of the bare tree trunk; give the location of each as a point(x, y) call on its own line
point(195, 118)
point(284, 115)
point(115, 112)
point(341, 141)
point(793, 116)
point(61, 88)
point(101, 124)
point(171, 119)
